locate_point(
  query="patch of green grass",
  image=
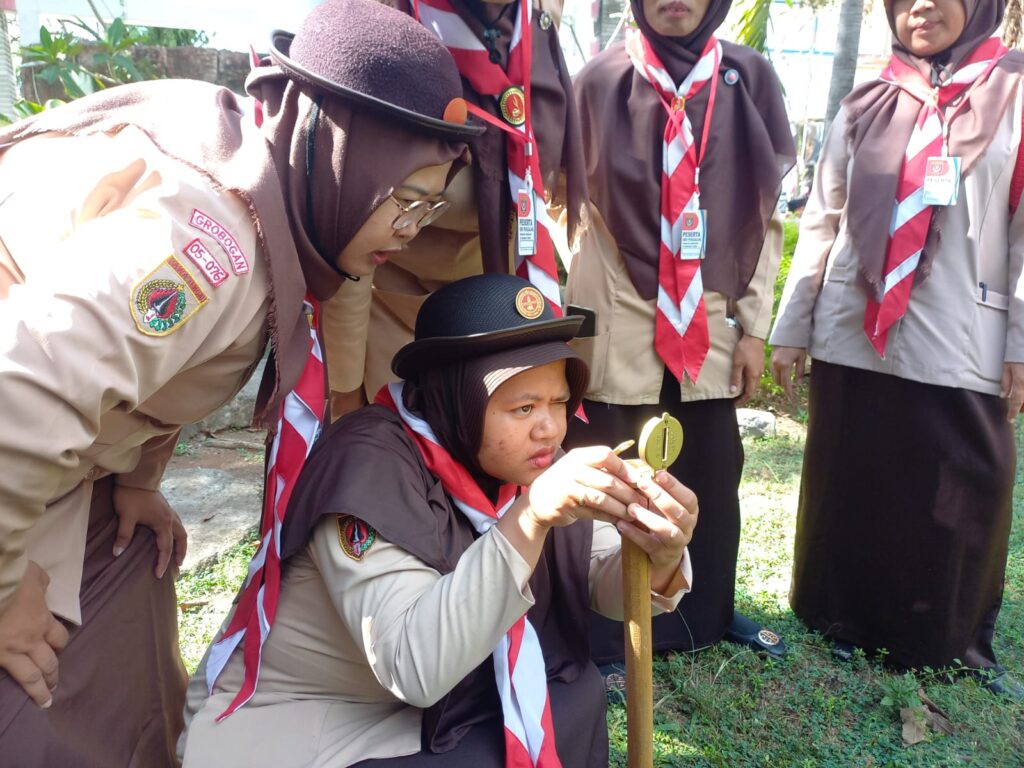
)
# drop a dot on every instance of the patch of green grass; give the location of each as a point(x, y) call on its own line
point(727, 707)
point(204, 597)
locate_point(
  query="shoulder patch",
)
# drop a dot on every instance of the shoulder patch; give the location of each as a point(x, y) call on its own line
point(207, 263)
point(355, 536)
point(206, 223)
point(162, 301)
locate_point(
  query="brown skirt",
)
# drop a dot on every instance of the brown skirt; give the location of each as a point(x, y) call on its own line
point(581, 733)
point(904, 517)
point(122, 684)
point(710, 464)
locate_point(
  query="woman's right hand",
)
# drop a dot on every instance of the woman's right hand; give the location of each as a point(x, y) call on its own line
point(788, 365)
point(587, 483)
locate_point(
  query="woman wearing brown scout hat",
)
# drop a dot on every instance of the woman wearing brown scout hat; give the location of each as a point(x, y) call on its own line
point(440, 559)
point(686, 141)
point(513, 71)
point(190, 228)
point(906, 290)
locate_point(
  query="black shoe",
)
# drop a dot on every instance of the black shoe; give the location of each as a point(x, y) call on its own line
point(1000, 682)
point(746, 631)
point(614, 675)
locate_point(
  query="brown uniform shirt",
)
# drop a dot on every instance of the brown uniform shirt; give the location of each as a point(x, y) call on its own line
point(126, 313)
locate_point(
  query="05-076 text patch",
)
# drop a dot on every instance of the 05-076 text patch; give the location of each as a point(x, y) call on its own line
point(164, 300)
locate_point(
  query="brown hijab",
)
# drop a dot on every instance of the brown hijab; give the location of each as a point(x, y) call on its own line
point(556, 126)
point(358, 158)
point(880, 121)
point(750, 149)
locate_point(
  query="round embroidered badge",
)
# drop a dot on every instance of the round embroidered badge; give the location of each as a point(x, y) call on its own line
point(529, 303)
point(512, 103)
point(161, 304)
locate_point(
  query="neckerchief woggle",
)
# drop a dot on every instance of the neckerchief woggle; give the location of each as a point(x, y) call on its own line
point(518, 660)
point(929, 143)
point(681, 336)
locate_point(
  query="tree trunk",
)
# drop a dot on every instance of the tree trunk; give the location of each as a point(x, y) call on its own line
point(844, 63)
point(1012, 24)
point(8, 91)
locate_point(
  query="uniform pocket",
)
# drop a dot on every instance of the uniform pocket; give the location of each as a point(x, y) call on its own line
point(988, 333)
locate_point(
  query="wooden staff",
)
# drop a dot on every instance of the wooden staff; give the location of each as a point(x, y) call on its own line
point(661, 440)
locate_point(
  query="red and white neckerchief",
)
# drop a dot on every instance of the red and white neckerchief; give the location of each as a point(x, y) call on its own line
point(518, 660)
point(511, 89)
point(298, 426)
point(911, 218)
point(681, 322)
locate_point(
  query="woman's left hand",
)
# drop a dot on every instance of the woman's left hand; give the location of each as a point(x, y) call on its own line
point(669, 520)
point(1013, 389)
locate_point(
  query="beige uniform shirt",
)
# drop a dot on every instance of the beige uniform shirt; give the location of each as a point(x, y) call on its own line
point(360, 647)
point(962, 323)
point(624, 368)
point(127, 314)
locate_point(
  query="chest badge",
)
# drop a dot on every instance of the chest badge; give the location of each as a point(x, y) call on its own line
point(512, 104)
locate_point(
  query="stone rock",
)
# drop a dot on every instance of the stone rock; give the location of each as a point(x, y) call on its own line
point(217, 506)
point(235, 414)
point(755, 423)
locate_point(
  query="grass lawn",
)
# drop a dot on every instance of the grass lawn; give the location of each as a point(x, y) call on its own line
point(728, 707)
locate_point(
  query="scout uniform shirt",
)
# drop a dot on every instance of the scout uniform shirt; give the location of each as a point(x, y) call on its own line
point(134, 301)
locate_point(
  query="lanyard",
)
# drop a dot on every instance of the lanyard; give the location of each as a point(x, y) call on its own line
point(677, 116)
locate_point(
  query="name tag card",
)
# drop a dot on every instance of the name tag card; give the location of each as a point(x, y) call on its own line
point(941, 180)
point(526, 217)
point(693, 236)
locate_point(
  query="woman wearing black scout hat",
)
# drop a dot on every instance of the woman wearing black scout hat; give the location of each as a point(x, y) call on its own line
point(190, 228)
point(441, 556)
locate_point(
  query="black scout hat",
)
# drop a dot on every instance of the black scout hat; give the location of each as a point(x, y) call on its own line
point(478, 316)
point(362, 49)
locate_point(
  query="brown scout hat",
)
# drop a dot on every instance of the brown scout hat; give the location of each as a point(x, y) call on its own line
point(362, 49)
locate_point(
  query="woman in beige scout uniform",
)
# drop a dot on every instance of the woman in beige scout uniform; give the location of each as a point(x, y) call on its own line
point(906, 290)
point(428, 606)
point(138, 295)
point(475, 234)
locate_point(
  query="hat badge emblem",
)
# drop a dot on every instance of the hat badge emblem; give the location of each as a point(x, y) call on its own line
point(529, 303)
point(512, 103)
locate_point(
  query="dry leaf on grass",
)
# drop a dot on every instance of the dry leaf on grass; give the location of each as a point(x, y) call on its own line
point(917, 721)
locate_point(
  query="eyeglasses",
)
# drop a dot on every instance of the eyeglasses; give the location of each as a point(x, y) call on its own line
point(421, 212)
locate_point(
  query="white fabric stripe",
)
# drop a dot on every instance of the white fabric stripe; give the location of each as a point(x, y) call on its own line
point(908, 209)
point(544, 283)
point(675, 151)
point(449, 28)
point(261, 612)
point(517, 32)
point(663, 77)
point(256, 564)
point(220, 652)
point(671, 235)
point(921, 138)
point(704, 69)
point(502, 676)
point(691, 299)
point(558, 235)
point(902, 270)
point(670, 310)
point(968, 74)
point(530, 689)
